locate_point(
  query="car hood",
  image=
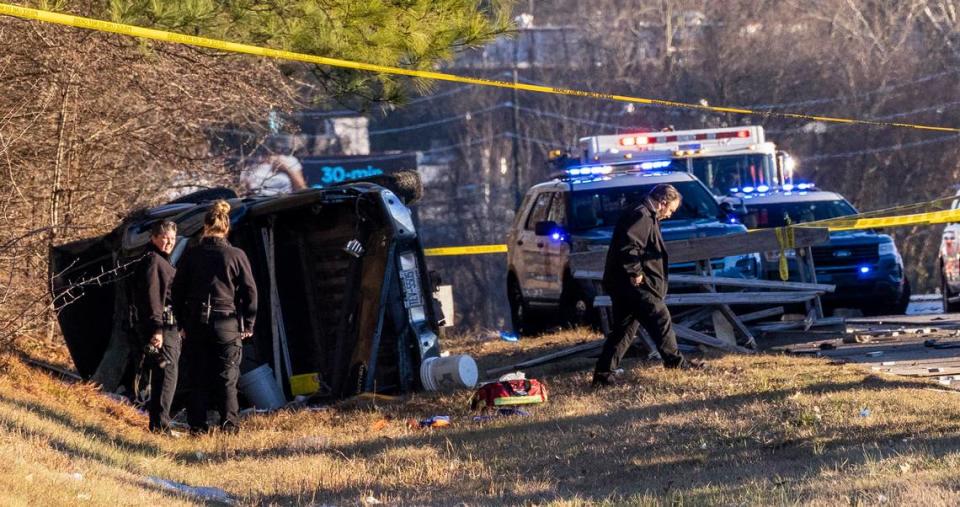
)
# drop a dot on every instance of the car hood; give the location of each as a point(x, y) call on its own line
point(848, 238)
point(672, 230)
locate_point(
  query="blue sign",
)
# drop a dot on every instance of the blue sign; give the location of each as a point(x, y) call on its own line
point(325, 171)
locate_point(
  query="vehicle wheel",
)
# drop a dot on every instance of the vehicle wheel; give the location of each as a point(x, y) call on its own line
point(575, 307)
point(948, 307)
point(900, 308)
point(522, 319)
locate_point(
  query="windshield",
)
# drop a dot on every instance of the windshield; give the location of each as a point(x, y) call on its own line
point(760, 216)
point(602, 207)
point(720, 174)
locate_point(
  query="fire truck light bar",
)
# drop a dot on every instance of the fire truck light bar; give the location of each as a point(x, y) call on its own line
point(645, 140)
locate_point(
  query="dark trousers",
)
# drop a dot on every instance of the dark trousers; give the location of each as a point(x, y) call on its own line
point(212, 352)
point(163, 381)
point(633, 308)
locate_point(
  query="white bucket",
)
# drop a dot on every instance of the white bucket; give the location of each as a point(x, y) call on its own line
point(261, 389)
point(448, 373)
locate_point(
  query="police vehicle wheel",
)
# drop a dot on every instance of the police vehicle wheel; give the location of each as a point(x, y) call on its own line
point(575, 309)
point(900, 307)
point(520, 316)
point(948, 307)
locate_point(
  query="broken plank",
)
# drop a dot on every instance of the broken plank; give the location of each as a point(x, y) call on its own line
point(560, 354)
point(723, 281)
point(735, 298)
point(798, 324)
point(714, 247)
point(762, 314)
point(704, 339)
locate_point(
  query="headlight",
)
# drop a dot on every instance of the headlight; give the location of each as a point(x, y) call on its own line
point(774, 255)
point(887, 248)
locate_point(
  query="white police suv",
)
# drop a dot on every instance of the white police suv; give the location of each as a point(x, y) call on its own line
point(577, 212)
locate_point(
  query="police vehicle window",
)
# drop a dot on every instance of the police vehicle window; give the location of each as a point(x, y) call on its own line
point(781, 214)
point(602, 207)
point(721, 174)
point(523, 207)
point(539, 211)
point(558, 209)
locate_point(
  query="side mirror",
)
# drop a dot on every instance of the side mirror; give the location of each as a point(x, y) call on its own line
point(550, 229)
point(545, 228)
point(727, 208)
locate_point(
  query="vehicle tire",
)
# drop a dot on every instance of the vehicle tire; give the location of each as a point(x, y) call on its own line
point(523, 320)
point(206, 195)
point(405, 184)
point(575, 307)
point(948, 307)
point(900, 308)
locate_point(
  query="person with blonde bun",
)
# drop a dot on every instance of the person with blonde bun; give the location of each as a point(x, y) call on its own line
point(215, 302)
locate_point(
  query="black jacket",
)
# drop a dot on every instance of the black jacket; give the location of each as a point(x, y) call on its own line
point(637, 247)
point(220, 271)
point(154, 277)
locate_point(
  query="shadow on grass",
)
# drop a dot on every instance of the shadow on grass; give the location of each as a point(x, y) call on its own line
point(627, 452)
point(93, 431)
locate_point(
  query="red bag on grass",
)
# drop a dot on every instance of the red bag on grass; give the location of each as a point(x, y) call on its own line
point(509, 392)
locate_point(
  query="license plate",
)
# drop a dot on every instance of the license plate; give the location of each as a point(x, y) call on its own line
point(411, 288)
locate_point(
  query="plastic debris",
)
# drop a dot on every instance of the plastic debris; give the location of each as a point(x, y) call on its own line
point(517, 375)
point(437, 421)
point(509, 336)
point(205, 493)
point(501, 412)
point(865, 412)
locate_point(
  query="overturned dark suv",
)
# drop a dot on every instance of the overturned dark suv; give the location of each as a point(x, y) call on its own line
point(359, 317)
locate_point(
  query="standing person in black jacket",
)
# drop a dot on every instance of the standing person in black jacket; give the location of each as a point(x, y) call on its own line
point(157, 328)
point(215, 301)
point(635, 276)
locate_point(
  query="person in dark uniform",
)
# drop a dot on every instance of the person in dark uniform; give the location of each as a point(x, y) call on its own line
point(635, 277)
point(215, 302)
point(160, 339)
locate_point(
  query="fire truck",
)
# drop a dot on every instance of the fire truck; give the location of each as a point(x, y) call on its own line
point(727, 160)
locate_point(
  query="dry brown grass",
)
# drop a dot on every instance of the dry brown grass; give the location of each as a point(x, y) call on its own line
point(755, 430)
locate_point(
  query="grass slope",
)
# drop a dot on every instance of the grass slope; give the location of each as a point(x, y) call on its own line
point(753, 430)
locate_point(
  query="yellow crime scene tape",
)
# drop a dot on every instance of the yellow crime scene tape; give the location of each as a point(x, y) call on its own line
point(464, 250)
point(160, 35)
point(785, 235)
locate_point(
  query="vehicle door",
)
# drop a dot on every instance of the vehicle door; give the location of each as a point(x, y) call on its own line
point(531, 266)
point(556, 249)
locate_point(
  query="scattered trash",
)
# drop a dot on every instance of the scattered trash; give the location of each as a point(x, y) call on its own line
point(865, 412)
point(509, 336)
point(881, 498)
point(888, 363)
point(77, 476)
point(380, 424)
point(371, 500)
point(510, 392)
point(437, 421)
point(502, 412)
point(517, 375)
point(857, 338)
point(205, 493)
